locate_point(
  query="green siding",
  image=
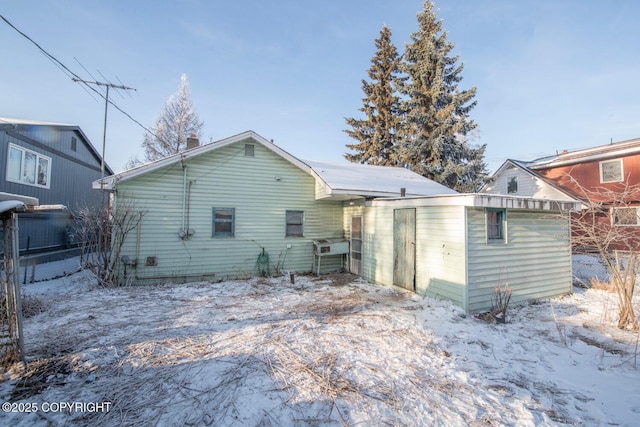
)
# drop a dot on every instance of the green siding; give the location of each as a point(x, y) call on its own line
point(377, 242)
point(535, 260)
point(260, 188)
point(440, 271)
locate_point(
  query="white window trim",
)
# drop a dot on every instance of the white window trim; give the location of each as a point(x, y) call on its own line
point(602, 181)
point(38, 157)
point(613, 215)
point(503, 227)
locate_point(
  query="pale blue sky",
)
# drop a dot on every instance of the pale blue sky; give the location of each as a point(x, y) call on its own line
point(551, 75)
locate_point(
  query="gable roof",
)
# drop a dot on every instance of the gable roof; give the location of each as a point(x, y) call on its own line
point(351, 180)
point(601, 152)
point(342, 181)
point(523, 166)
point(110, 181)
point(15, 125)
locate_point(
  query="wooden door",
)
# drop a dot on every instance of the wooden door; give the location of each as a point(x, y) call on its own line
point(404, 248)
point(355, 255)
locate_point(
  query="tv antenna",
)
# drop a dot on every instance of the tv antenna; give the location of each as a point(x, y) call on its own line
point(108, 85)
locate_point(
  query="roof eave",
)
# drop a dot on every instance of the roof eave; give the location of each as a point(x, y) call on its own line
point(109, 182)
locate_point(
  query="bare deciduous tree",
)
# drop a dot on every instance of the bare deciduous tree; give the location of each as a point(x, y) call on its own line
point(605, 226)
point(175, 124)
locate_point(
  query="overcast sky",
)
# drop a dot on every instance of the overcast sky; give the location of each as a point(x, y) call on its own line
point(551, 75)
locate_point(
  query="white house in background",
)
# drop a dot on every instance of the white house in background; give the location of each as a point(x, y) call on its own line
point(516, 178)
point(242, 207)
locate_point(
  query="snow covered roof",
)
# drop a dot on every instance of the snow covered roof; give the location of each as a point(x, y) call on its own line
point(352, 180)
point(342, 181)
point(10, 121)
point(601, 152)
point(10, 205)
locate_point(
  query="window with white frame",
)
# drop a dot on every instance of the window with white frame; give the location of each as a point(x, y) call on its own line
point(28, 167)
point(625, 216)
point(512, 185)
point(495, 220)
point(611, 171)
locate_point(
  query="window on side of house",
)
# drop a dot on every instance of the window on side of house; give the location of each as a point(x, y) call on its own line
point(249, 150)
point(496, 219)
point(295, 224)
point(625, 216)
point(224, 222)
point(74, 143)
point(28, 167)
point(512, 185)
point(611, 171)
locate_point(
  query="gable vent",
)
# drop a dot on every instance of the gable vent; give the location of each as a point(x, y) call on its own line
point(249, 150)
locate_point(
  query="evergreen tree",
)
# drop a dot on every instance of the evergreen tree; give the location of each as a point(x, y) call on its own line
point(175, 124)
point(435, 142)
point(377, 133)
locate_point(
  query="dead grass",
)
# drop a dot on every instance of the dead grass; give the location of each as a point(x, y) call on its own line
point(596, 283)
point(320, 359)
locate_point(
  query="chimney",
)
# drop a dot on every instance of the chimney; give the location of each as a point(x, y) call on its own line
point(192, 141)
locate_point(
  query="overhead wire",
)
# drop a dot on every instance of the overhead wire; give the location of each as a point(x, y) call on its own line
point(69, 73)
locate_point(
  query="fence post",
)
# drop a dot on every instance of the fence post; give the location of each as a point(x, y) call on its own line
point(12, 271)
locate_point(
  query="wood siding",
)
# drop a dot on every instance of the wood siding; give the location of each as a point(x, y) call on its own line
point(587, 175)
point(404, 248)
point(535, 260)
point(260, 189)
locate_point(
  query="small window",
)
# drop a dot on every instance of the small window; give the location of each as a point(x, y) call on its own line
point(249, 150)
point(74, 143)
point(495, 225)
point(512, 185)
point(224, 222)
point(295, 224)
point(611, 171)
point(28, 167)
point(626, 216)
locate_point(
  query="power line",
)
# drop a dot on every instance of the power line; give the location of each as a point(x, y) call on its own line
point(106, 108)
point(79, 79)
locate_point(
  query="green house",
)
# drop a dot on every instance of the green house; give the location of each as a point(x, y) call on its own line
point(461, 247)
point(243, 207)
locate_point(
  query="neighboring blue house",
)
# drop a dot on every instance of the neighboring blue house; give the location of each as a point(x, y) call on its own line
point(54, 163)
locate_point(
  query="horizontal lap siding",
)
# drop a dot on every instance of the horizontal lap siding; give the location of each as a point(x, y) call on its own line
point(440, 252)
point(260, 189)
point(377, 241)
point(535, 261)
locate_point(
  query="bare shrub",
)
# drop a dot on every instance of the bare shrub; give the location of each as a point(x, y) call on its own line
point(102, 235)
point(500, 302)
point(606, 225)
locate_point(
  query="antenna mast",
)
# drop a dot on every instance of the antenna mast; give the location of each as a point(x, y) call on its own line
point(106, 107)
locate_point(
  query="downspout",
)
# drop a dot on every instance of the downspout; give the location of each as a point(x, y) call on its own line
point(465, 296)
point(183, 233)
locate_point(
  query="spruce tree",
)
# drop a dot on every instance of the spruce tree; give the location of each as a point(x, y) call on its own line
point(377, 132)
point(435, 142)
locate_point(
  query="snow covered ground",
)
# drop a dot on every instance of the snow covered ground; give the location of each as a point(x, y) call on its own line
point(325, 351)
